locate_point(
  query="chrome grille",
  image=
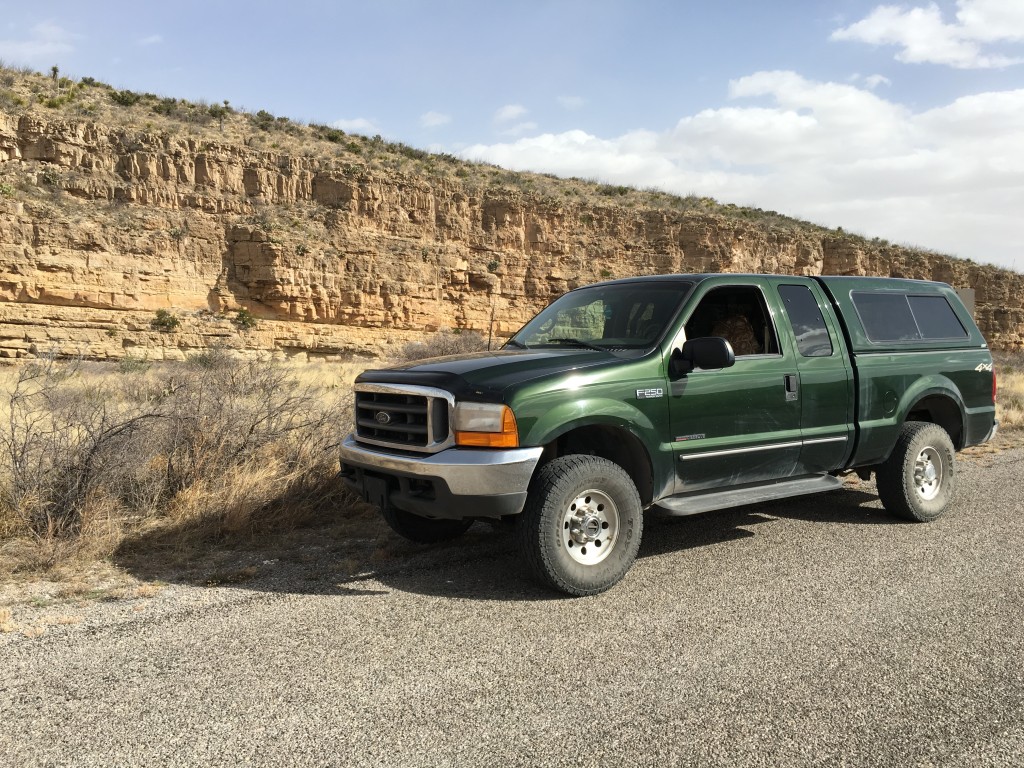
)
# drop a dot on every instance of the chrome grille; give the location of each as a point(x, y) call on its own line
point(402, 416)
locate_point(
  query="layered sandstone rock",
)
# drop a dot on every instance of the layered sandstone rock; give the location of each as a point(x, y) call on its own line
point(99, 228)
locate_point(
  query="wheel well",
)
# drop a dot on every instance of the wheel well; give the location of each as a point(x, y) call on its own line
point(942, 411)
point(614, 444)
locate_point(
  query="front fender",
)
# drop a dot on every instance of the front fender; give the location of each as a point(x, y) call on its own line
point(567, 416)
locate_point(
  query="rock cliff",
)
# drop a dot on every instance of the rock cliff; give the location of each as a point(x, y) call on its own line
point(100, 226)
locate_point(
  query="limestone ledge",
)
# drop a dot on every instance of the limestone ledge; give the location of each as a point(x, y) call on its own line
point(29, 331)
point(106, 226)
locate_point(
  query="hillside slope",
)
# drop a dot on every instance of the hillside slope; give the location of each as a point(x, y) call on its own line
point(116, 205)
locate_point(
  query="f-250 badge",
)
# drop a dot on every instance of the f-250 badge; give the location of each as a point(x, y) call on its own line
point(650, 394)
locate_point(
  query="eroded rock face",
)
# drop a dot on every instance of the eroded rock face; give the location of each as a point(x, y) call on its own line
point(99, 229)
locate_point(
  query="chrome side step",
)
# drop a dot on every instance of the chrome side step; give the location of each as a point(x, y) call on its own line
point(680, 506)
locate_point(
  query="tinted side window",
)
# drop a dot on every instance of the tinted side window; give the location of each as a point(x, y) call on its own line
point(936, 318)
point(738, 314)
point(886, 316)
point(808, 324)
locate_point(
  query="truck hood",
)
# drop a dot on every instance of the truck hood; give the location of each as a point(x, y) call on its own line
point(489, 374)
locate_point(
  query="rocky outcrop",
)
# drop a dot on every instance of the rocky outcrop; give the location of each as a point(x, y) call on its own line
point(99, 228)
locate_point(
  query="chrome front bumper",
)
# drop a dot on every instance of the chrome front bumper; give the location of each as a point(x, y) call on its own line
point(454, 483)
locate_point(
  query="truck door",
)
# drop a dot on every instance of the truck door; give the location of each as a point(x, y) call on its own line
point(735, 425)
point(824, 382)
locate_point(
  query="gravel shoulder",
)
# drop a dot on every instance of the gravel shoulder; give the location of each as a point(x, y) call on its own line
point(816, 631)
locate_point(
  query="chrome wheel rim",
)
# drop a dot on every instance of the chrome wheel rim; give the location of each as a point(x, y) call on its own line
point(590, 527)
point(928, 474)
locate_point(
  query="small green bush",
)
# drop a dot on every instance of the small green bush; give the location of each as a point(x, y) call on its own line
point(132, 364)
point(165, 322)
point(245, 320)
point(613, 190)
point(50, 177)
point(263, 120)
point(125, 98)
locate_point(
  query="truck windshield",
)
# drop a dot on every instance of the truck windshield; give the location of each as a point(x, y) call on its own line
point(613, 316)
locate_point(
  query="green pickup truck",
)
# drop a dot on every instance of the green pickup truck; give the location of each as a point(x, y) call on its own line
point(680, 394)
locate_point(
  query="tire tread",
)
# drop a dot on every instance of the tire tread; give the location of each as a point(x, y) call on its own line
point(539, 558)
point(893, 489)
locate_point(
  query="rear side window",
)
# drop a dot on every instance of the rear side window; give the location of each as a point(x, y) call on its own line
point(808, 324)
point(935, 318)
point(899, 317)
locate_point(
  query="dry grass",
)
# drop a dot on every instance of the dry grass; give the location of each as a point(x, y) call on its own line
point(94, 458)
point(1010, 397)
point(444, 342)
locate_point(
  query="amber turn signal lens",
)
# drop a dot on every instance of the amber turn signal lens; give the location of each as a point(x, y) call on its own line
point(508, 437)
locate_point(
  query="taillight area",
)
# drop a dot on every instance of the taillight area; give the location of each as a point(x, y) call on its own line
point(993, 384)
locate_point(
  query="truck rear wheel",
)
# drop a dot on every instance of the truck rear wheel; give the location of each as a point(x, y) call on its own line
point(581, 527)
point(918, 480)
point(424, 530)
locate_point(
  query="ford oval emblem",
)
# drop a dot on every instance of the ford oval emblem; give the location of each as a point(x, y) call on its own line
point(382, 417)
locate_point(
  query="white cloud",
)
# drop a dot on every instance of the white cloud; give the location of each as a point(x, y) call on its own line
point(923, 36)
point(46, 41)
point(873, 81)
point(992, 20)
point(510, 112)
point(356, 125)
point(150, 40)
point(950, 178)
point(434, 119)
point(519, 129)
point(571, 102)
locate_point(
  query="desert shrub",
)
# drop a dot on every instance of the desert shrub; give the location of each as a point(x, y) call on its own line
point(165, 322)
point(263, 120)
point(10, 100)
point(245, 320)
point(165, 106)
point(444, 342)
point(89, 456)
point(125, 98)
point(132, 363)
point(50, 177)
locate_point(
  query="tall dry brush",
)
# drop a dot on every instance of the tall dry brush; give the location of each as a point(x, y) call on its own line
point(89, 454)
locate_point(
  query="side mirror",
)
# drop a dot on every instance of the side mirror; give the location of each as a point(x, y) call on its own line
point(708, 353)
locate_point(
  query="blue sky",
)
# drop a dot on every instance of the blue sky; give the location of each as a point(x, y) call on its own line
point(903, 121)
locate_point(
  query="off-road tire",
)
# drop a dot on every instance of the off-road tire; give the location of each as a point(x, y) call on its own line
point(918, 479)
point(424, 530)
point(576, 505)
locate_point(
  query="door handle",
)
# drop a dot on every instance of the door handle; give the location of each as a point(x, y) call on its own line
point(792, 386)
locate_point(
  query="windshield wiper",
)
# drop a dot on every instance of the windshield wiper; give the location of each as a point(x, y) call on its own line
point(577, 343)
point(514, 343)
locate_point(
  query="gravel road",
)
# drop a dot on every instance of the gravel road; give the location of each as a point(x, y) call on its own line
point(810, 632)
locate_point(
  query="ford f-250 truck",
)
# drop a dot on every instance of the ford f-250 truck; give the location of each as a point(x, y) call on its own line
point(684, 393)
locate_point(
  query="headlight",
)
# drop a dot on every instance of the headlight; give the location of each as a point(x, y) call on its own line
point(485, 425)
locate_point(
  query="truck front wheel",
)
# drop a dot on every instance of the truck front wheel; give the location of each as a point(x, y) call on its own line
point(581, 527)
point(424, 530)
point(917, 481)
